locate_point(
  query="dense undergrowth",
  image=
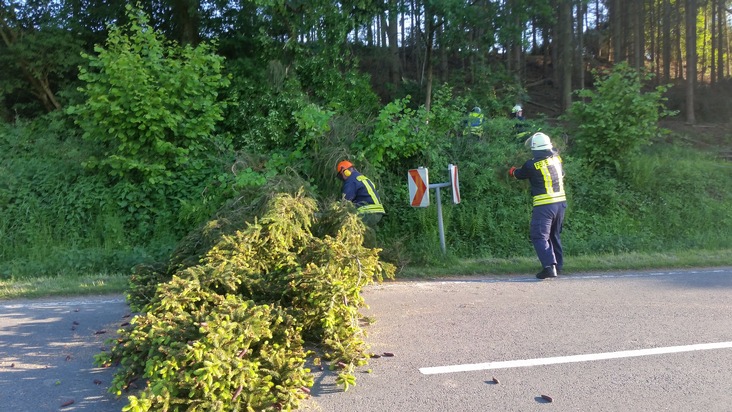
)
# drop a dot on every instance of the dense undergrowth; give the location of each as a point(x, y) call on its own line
point(60, 218)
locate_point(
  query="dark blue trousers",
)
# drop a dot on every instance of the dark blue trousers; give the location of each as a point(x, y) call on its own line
point(545, 231)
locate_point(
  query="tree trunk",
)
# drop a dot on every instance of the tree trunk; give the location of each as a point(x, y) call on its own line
point(655, 33)
point(690, 59)
point(639, 40)
point(394, 68)
point(703, 60)
point(666, 41)
point(713, 48)
point(402, 50)
point(679, 52)
point(580, 55)
point(516, 43)
point(186, 18)
point(615, 10)
point(429, 29)
point(721, 39)
point(565, 52)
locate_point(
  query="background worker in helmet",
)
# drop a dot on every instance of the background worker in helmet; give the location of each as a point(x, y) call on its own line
point(518, 112)
point(546, 177)
point(360, 190)
point(475, 122)
point(520, 126)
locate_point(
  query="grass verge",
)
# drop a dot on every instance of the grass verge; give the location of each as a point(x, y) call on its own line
point(93, 284)
point(575, 264)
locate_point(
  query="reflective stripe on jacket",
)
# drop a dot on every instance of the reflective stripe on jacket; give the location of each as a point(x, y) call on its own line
point(546, 177)
point(360, 190)
point(475, 122)
point(376, 206)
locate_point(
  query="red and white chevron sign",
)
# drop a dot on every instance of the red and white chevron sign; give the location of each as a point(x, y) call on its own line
point(419, 194)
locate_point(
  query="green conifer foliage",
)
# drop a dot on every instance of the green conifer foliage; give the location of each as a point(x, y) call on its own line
point(229, 332)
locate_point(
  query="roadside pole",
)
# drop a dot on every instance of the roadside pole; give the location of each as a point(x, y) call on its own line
point(419, 196)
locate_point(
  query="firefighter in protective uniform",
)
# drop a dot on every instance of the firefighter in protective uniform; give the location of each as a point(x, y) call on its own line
point(475, 122)
point(546, 177)
point(360, 190)
point(518, 112)
point(520, 126)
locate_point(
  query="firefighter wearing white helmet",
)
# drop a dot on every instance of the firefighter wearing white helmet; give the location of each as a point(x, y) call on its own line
point(518, 112)
point(520, 126)
point(540, 141)
point(546, 178)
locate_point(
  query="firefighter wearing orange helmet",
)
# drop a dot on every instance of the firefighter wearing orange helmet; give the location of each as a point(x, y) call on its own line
point(360, 190)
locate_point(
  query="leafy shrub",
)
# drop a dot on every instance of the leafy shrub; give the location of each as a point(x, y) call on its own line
point(150, 113)
point(403, 133)
point(151, 105)
point(618, 119)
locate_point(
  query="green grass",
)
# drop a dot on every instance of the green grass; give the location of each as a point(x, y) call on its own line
point(93, 284)
point(575, 264)
point(99, 284)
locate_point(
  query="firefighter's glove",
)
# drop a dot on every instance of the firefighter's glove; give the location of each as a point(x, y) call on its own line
point(511, 171)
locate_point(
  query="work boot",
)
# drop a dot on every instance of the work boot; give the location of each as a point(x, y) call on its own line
point(548, 272)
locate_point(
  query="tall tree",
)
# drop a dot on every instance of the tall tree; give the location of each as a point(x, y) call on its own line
point(615, 14)
point(691, 10)
point(666, 40)
point(721, 37)
point(580, 55)
point(39, 51)
point(186, 20)
point(565, 50)
point(713, 49)
point(393, 19)
point(430, 27)
point(679, 40)
point(638, 23)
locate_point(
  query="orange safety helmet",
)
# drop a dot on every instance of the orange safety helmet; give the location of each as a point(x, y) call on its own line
point(343, 165)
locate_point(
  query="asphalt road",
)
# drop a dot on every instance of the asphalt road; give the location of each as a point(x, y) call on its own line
point(625, 323)
point(47, 349)
point(630, 341)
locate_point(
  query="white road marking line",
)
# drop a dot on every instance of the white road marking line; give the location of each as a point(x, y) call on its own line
point(574, 358)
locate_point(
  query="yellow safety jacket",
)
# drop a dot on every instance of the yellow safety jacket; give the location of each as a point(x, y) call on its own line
point(360, 190)
point(475, 123)
point(546, 177)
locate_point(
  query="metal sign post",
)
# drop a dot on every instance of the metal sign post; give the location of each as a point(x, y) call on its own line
point(418, 181)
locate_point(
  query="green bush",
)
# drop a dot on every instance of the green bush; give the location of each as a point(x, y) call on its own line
point(151, 106)
point(616, 119)
point(150, 114)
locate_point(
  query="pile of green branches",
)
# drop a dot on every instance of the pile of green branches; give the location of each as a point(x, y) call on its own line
point(230, 331)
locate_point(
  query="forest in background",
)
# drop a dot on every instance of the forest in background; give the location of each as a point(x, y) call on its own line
point(408, 45)
point(126, 128)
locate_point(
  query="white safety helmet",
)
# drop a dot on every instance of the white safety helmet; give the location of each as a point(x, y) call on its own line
point(540, 141)
point(517, 109)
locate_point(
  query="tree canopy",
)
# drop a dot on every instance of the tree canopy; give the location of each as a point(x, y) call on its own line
point(404, 45)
